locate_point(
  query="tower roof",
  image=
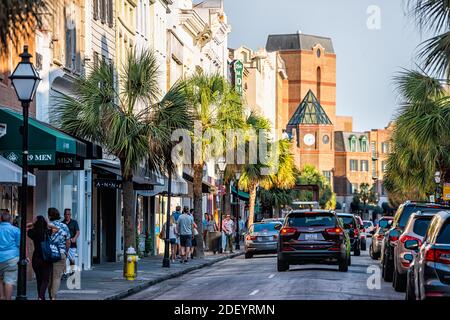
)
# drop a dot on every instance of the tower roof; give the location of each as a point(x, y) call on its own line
point(297, 41)
point(309, 112)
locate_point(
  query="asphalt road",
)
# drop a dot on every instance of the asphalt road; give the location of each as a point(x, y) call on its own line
point(257, 278)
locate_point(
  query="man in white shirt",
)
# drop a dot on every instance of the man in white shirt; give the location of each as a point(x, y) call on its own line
point(228, 230)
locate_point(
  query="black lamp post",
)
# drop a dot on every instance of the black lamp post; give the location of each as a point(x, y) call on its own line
point(166, 260)
point(25, 80)
point(238, 212)
point(222, 164)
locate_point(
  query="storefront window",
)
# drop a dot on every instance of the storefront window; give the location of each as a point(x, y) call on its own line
point(64, 191)
point(9, 199)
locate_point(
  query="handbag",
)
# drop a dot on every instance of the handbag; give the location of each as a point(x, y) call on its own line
point(162, 234)
point(50, 251)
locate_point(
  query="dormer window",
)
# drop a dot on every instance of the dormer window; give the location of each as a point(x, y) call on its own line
point(363, 144)
point(352, 142)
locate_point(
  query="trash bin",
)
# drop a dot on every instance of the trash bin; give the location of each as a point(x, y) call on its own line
point(213, 239)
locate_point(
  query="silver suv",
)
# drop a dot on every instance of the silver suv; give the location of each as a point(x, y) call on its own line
point(415, 229)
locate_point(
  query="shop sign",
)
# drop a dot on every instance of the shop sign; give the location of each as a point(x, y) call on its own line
point(108, 184)
point(35, 158)
point(446, 193)
point(238, 76)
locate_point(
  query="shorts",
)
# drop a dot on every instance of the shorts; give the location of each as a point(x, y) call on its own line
point(8, 271)
point(173, 241)
point(186, 241)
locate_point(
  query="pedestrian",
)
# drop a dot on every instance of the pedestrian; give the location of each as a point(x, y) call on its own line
point(242, 229)
point(9, 255)
point(205, 221)
point(62, 239)
point(173, 238)
point(176, 214)
point(211, 226)
point(185, 227)
point(39, 231)
point(74, 230)
point(228, 230)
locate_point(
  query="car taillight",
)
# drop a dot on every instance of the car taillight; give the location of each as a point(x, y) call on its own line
point(393, 239)
point(405, 238)
point(439, 256)
point(334, 231)
point(356, 232)
point(249, 237)
point(380, 237)
point(287, 231)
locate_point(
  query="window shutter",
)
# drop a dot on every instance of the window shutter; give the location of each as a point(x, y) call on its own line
point(103, 11)
point(96, 9)
point(110, 13)
point(96, 59)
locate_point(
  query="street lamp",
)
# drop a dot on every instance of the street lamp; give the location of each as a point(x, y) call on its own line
point(238, 246)
point(222, 164)
point(25, 80)
point(437, 179)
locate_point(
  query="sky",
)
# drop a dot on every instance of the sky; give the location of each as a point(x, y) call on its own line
point(367, 58)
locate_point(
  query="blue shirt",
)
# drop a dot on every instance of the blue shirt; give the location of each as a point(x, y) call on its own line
point(176, 215)
point(9, 241)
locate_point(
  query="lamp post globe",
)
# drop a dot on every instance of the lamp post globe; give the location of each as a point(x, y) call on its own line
point(25, 80)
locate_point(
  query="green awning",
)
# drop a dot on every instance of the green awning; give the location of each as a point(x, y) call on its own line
point(47, 145)
point(244, 196)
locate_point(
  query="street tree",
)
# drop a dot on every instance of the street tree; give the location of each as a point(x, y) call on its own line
point(216, 107)
point(130, 120)
point(309, 175)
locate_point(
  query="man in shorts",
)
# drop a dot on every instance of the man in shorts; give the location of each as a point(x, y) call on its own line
point(74, 229)
point(185, 226)
point(9, 255)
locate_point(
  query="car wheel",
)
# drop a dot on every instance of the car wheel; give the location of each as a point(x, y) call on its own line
point(410, 293)
point(388, 269)
point(282, 265)
point(399, 282)
point(363, 245)
point(248, 255)
point(349, 259)
point(357, 251)
point(343, 265)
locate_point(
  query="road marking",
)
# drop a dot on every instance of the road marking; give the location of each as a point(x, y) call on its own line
point(253, 292)
point(271, 276)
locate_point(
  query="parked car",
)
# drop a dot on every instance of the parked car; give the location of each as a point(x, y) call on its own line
point(351, 226)
point(383, 225)
point(313, 236)
point(415, 229)
point(429, 275)
point(368, 228)
point(390, 240)
point(261, 238)
point(362, 234)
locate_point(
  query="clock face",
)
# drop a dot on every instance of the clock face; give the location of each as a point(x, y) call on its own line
point(309, 139)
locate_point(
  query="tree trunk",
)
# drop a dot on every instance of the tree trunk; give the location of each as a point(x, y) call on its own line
point(198, 207)
point(227, 199)
point(129, 233)
point(251, 205)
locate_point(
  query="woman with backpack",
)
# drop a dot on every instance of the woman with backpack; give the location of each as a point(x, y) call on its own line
point(39, 231)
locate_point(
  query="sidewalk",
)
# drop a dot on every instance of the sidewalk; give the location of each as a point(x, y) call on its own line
point(105, 281)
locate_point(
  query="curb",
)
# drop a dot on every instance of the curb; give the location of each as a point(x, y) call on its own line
point(141, 287)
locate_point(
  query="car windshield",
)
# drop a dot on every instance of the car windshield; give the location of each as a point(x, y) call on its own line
point(421, 226)
point(347, 221)
point(311, 220)
point(266, 227)
point(367, 224)
point(409, 210)
point(444, 236)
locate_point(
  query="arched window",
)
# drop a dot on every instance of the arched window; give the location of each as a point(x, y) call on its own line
point(319, 80)
point(352, 142)
point(363, 144)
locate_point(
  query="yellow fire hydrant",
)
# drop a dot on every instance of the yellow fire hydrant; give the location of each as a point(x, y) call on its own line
point(132, 259)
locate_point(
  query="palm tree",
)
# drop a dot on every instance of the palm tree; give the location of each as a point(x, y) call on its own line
point(17, 19)
point(130, 122)
point(215, 106)
point(434, 16)
point(420, 137)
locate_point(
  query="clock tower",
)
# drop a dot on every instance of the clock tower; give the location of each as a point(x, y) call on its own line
point(313, 136)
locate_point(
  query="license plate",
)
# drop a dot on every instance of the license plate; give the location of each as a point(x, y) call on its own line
point(311, 236)
point(264, 238)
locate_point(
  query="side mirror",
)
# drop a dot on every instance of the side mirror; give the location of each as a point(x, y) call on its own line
point(408, 257)
point(278, 226)
point(412, 245)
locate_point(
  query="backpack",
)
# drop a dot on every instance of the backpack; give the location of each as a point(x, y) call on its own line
point(50, 250)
